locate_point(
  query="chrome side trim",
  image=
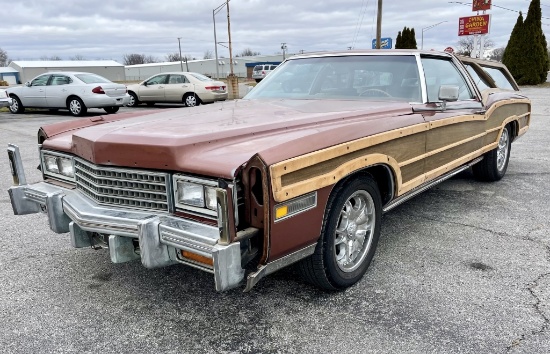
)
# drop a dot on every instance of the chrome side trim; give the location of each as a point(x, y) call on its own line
point(400, 200)
point(254, 278)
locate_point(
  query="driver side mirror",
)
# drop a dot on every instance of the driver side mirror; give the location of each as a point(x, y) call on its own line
point(28, 84)
point(145, 83)
point(448, 93)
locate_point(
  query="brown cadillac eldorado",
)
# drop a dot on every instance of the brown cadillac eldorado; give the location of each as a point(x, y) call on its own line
point(300, 170)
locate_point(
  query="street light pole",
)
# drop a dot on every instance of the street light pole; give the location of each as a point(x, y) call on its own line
point(214, 12)
point(426, 29)
point(181, 62)
point(229, 38)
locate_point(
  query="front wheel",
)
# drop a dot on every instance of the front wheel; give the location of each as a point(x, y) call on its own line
point(16, 107)
point(133, 100)
point(110, 110)
point(349, 236)
point(495, 162)
point(76, 107)
point(191, 100)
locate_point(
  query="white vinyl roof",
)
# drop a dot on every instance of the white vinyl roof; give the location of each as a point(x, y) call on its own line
point(7, 69)
point(64, 63)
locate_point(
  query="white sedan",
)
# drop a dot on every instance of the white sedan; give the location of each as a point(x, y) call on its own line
point(75, 91)
point(5, 100)
point(188, 88)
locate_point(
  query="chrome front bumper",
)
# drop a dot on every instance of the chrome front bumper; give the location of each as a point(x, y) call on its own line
point(160, 237)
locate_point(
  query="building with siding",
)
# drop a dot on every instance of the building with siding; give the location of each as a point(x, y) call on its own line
point(109, 69)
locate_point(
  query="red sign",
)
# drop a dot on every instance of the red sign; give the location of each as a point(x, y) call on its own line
point(449, 50)
point(470, 25)
point(481, 5)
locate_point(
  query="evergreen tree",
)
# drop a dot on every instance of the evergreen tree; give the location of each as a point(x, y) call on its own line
point(398, 41)
point(413, 40)
point(525, 55)
point(512, 56)
point(406, 38)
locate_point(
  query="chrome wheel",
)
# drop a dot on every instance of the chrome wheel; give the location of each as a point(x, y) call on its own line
point(503, 149)
point(133, 101)
point(75, 107)
point(14, 107)
point(190, 101)
point(354, 231)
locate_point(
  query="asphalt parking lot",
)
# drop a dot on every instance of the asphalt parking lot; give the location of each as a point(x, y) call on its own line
point(462, 268)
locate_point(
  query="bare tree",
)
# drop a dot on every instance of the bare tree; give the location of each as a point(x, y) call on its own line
point(176, 57)
point(247, 53)
point(77, 57)
point(4, 60)
point(52, 58)
point(497, 54)
point(133, 59)
point(207, 54)
point(466, 45)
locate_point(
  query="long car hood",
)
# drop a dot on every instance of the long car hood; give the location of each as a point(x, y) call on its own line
point(216, 139)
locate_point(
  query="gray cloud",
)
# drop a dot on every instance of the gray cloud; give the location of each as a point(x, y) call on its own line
point(109, 29)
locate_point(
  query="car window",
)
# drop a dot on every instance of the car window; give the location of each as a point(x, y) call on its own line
point(156, 80)
point(440, 71)
point(200, 77)
point(358, 77)
point(60, 80)
point(479, 81)
point(91, 78)
point(272, 67)
point(40, 81)
point(178, 79)
point(258, 67)
point(500, 79)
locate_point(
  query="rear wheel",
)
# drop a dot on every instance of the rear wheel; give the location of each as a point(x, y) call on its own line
point(110, 110)
point(191, 100)
point(349, 237)
point(16, 107)
point(133, 100)
point(76, 107)
point(495, 162)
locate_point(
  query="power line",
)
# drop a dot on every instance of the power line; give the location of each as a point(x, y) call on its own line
point(360, 21)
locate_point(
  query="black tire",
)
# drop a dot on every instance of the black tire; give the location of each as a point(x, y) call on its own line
point(134, 101)
point(150, 104)
point(495, 163)
point(258, 80)
point(110, 110)
point(191, 100)
point(16, 106)
point(327, 267)
point(76, 107)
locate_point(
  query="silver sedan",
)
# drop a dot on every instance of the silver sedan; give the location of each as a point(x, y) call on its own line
point(75, 91)
point(5, 100)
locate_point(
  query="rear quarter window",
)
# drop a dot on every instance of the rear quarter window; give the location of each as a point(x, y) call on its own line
point(500, 79)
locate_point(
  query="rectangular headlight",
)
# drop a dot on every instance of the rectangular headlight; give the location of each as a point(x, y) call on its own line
point(210, 198)
point(191, 193)
point(57, 165)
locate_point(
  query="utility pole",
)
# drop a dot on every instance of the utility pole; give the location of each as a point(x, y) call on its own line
point(283, 47)
point(379, 25)
point(181, 62)
point(229, 36)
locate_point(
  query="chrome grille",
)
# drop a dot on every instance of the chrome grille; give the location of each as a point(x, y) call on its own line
point(137, 189)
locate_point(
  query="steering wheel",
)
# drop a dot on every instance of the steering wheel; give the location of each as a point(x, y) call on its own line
point(369, 92)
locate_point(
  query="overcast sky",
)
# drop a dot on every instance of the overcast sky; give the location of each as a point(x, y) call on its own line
point(31, 29)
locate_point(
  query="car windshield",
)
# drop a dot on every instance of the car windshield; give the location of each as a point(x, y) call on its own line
point(359, 77)
point(91, 78)
point(200, 77)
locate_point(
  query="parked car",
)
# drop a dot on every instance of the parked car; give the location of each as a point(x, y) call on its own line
point(297, 171)
point(75, 91)
point(260, 71)
point(5, 100)
point(188, 88)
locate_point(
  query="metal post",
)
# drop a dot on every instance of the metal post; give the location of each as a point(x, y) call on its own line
point(216, 44)
point(229, 36)
point(181, 62)
point(379, 25)
point(283, 47)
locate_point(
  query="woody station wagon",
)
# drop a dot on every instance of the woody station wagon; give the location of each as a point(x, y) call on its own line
point(300, 170)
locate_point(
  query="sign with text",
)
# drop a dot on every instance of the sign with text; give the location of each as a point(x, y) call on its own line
point(481, 5)
point(471, 25)
point(385, 43)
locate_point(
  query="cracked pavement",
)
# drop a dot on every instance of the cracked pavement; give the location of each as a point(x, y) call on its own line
point(462, 268)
